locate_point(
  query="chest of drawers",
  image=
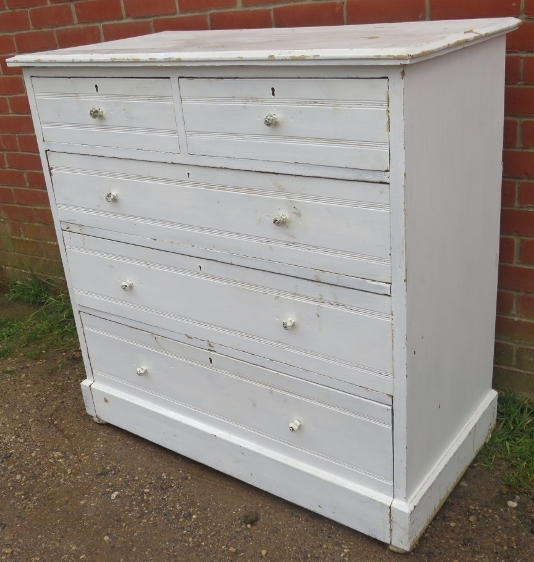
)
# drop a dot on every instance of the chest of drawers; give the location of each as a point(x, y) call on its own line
point(281, 248)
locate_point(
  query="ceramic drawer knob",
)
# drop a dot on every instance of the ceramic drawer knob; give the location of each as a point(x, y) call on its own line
point(288, 323)
point(126, 285)
point(96, 112)
point(111, 197)
point(280, 219)
point(270, 119)
point(294, 425)
point(141, 370)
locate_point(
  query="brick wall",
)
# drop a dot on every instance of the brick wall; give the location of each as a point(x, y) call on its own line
point(27, 239)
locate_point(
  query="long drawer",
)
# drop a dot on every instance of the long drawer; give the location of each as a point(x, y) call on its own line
point(341, 123)
point(341, 433)
point(342, 334)
point(129, 113)
point(322, 225)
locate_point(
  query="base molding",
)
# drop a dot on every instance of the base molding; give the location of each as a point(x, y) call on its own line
point(337, 498)
point(410, 518)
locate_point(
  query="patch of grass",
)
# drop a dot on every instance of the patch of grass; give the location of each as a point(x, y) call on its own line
point(512, 443)
point(50, 326)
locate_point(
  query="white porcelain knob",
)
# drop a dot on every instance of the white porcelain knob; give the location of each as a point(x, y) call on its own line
point(96, 112)
point(141, 370)
point(280, 219)
point(288, 323)
point(111, 197)
point(294, 425)
point(126, 285)
point(270, 119)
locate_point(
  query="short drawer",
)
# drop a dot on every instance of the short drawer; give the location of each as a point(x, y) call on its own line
point(128, 113)
point(337, 332)
point(343, 434)
point(340, 122)
point(322, 225)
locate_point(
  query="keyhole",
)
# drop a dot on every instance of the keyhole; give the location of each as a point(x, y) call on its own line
point(211, 361)
point(200, 268)
point(187, 175)
point(96, 88)
point(272, 92)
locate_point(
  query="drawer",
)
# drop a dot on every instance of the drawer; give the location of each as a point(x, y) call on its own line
point(341, 122)
point(343, 434)
point(337, 332)
point(324, 225)
point(136, 113)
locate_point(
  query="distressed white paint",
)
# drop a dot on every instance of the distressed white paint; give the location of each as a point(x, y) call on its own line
point(397, 43)
point(372, 265)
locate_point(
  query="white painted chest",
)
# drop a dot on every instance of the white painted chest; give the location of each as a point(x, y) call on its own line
point(281, 248)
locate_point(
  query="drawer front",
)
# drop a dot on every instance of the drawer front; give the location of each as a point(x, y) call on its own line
point(327, 329)
point(344, 434)
point(136, 113)
point(322, 225)
point(342, 122)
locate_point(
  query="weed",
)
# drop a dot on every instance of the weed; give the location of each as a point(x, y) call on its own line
point(512, 444)
point(51, 325)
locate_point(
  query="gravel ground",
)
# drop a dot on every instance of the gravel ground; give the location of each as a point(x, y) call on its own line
point(71, 489)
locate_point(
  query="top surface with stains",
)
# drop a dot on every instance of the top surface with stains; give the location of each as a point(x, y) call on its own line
point(387, 43)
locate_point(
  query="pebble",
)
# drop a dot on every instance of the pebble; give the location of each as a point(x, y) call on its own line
point(114, 495)
point(264, 553)
point(473, 518)
point(512, 504)
point(232, 550)
point(464, 484)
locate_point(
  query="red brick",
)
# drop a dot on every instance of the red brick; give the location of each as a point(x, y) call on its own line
point(529, 8)
point(4, 106)
point(259, 2)
point(36, 179)
point(517, 221)
point(459, 9)
point(25, 246)
point(51, 16)
point(31, 197)
point(201, 5)
point(378, 11)
point(13, 4)
point(511, 127)
point(516, 278)
point(14, 21)
point(514, 329)
point(507, 193)
point(513, 69)
point(122, 30)
point(506, 249)
point(35, 41)
point(526, 251)
point(526, 193)
point(43, 216)
point(522, 39)
point(528, 69)
point(12, 177)
point(27, 143)
point(6, 195)
point(505, 302)
point(527, 134)
point(525, 306)
point(146, 8)
point(300, 15)
point(51, 250)
point(16, 213)
point(519, 100)
point(11, 85)
point(244, 19)
point(98, 10)
point(518, 163)
point(7, 45)
point(79, 35)
point(8, 142)
point(39, 232)
point(181, 23)
point(8, 70)
point(19, 104)
point(23, 161)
